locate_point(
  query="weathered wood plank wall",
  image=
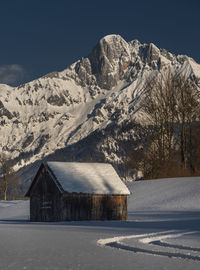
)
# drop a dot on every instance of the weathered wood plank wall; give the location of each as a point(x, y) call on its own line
point(45, 200)
point(94, 207)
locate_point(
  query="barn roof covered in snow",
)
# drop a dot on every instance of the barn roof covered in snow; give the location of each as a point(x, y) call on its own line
point(88, 178)
point(95, 178)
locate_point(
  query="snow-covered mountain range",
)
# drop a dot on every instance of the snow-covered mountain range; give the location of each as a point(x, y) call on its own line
point(70, 110)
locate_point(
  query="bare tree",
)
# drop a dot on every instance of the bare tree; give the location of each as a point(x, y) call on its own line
point(159, 106)
point(5, 173)
point(172, 113)
point(187, 114)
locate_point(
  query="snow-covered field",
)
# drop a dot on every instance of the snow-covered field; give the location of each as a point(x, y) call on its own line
point(162, 232)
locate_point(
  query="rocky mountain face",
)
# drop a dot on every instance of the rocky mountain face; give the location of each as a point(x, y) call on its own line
point(84, 111)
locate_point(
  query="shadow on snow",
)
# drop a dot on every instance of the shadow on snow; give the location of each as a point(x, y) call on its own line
point(168, 220)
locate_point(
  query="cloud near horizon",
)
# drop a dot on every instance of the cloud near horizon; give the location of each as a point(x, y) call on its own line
point(12, 74)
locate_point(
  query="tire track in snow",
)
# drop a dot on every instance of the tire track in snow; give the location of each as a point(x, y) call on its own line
point(145, 243)
point(159, 243)
point(105, 241)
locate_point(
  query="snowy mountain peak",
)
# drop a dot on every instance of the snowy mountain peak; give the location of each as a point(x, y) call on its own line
point(114, 42)
point(109, 38)
point(96, 92)
point(109, 59)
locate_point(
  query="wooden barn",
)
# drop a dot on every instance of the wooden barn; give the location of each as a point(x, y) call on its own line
point(66, 191)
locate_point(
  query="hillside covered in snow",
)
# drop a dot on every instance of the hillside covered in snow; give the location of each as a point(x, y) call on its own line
point(87, 110)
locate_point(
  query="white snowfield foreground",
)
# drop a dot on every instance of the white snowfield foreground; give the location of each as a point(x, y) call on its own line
point(162, 232)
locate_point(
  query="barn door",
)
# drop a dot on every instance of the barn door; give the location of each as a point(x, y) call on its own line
point(46, 208)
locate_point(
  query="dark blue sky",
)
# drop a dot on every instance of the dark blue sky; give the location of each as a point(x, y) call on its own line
point(38, 37)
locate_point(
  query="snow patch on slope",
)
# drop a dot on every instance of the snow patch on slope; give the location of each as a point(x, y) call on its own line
point(165, 194)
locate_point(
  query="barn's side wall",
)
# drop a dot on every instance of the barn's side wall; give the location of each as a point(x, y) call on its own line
point(45, 199)
point(94, 207)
